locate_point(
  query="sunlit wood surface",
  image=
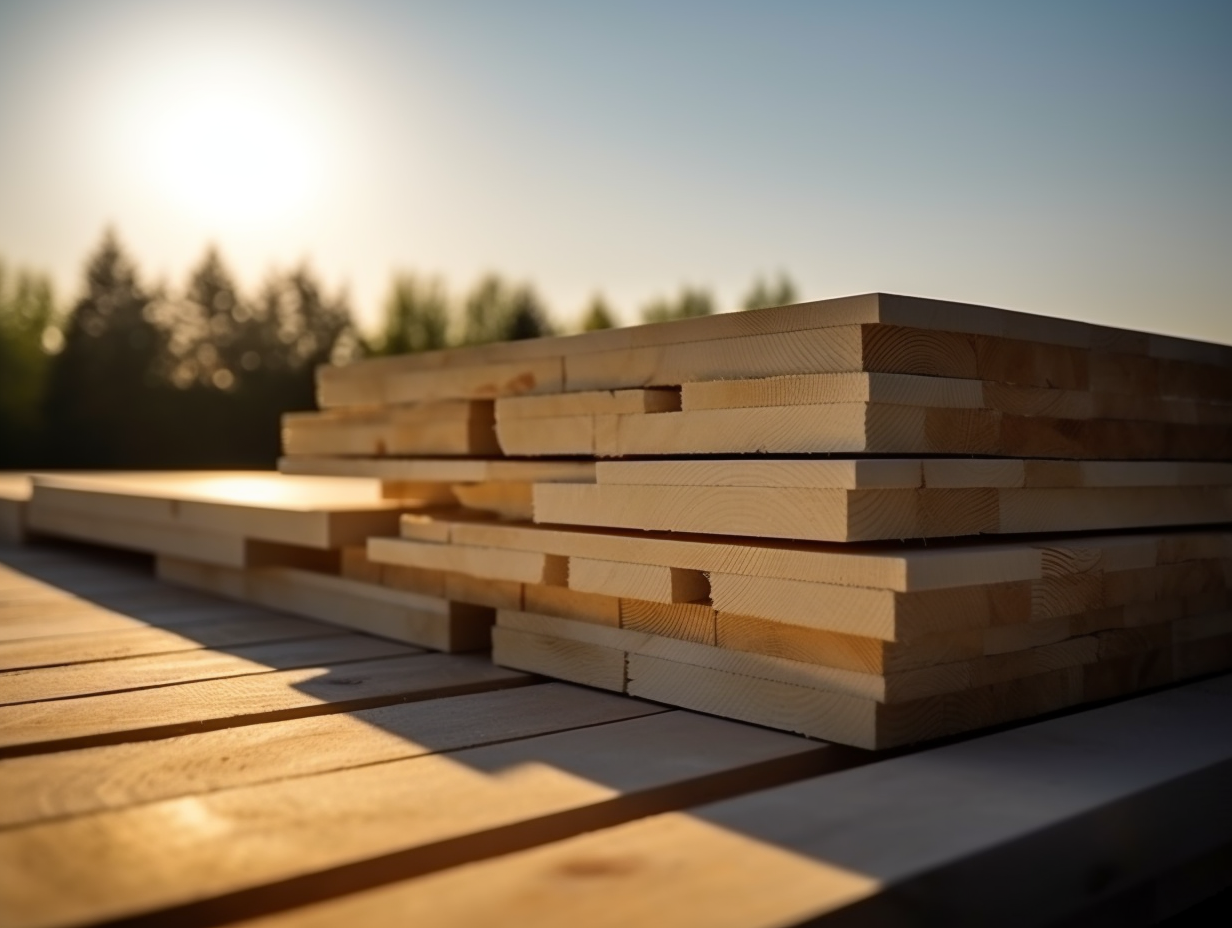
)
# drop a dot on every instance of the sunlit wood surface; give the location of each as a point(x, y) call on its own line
point(168, 757)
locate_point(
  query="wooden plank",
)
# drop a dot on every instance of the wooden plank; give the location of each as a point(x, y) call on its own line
point(824, 389)
point(848, 719)
point(865, 309)
point(874, 613)
point(597, 402)
point(958, 835)
point(408, 617)
point(863, 474)
point(507, 499)
point(570, 604)
point(142, 715)
point(490, 563)
point(865, 515)
point(451, 427)
point(686, 621)
point(310, 512)
point(119, 775)
point(638, 581)
point(902, 569)
point(241, 627)
point(422, 814)
point(440, 470)
point(114, 676)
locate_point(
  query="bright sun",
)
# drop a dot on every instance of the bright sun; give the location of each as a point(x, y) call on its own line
point(226, 143)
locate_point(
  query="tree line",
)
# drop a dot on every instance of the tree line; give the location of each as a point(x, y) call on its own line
point(134, 375)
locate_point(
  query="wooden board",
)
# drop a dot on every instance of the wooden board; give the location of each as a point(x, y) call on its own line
point(119, 775)
point(427, 621)
point(452, 427)
point(440, 470)
point(866, 515)
point(869, 428)
point(945, 338)
point(903, 568)
point(302, 511)
point(240, 627)
point(914, 473)
point(425, 812)
point(29, 686)
point(892, 687)
point(728, 685)
point(935, 392)
point(965, 834)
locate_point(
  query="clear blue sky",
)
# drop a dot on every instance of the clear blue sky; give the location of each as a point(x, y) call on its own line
point(1072, 158)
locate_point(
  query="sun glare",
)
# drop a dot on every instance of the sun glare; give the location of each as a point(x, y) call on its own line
point(226, 143)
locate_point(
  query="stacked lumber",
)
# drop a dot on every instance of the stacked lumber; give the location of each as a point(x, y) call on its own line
point(877, 374)
point(870, 645)
point(266, 539)
point(877, 436)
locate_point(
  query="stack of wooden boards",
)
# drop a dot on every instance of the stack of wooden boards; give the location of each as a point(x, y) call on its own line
point(856, 618)
point(868, 374)
point(285, 542)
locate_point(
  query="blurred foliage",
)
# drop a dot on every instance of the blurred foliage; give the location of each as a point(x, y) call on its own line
point(690, 303)
point(144, 379)
point(764, 294)
point(29, 336)
point(416, 316)
point(498, 311)
point(598, 315)
point(139, 376)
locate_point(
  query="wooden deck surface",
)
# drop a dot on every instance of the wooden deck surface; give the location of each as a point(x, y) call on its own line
point(167, 757)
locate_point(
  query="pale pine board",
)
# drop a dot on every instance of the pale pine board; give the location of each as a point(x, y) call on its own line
point(899, 686)
point(40, 728)
point(878, 474)
point(430, 811)
point(305, 511)
point(865, 515)
point(872, 308)
point(438, 470)
point(120, 775)
point(804, 706)
point(134, 673)
point(927, 338)
point(446, 428)
point(243, 627)
point(904, 569)
point(414, 618)
point(942, 834)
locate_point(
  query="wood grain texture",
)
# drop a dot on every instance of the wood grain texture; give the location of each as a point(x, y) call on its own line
point(241, 627)
point(134, 673)
point(119, 775)
point(426, 812)
point(956, 835)
point(864, 515)
point(437, 470)
point(638, 581)
point(902, 568)
point(40, 728)
point(429, 621)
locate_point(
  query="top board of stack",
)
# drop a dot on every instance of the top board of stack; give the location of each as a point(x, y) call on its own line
point(619, 478)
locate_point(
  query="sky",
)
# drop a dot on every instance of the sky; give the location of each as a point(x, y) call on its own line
point(1067, 158)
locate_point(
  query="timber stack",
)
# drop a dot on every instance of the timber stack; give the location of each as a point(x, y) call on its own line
point(829, 592)
point(873, 520)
